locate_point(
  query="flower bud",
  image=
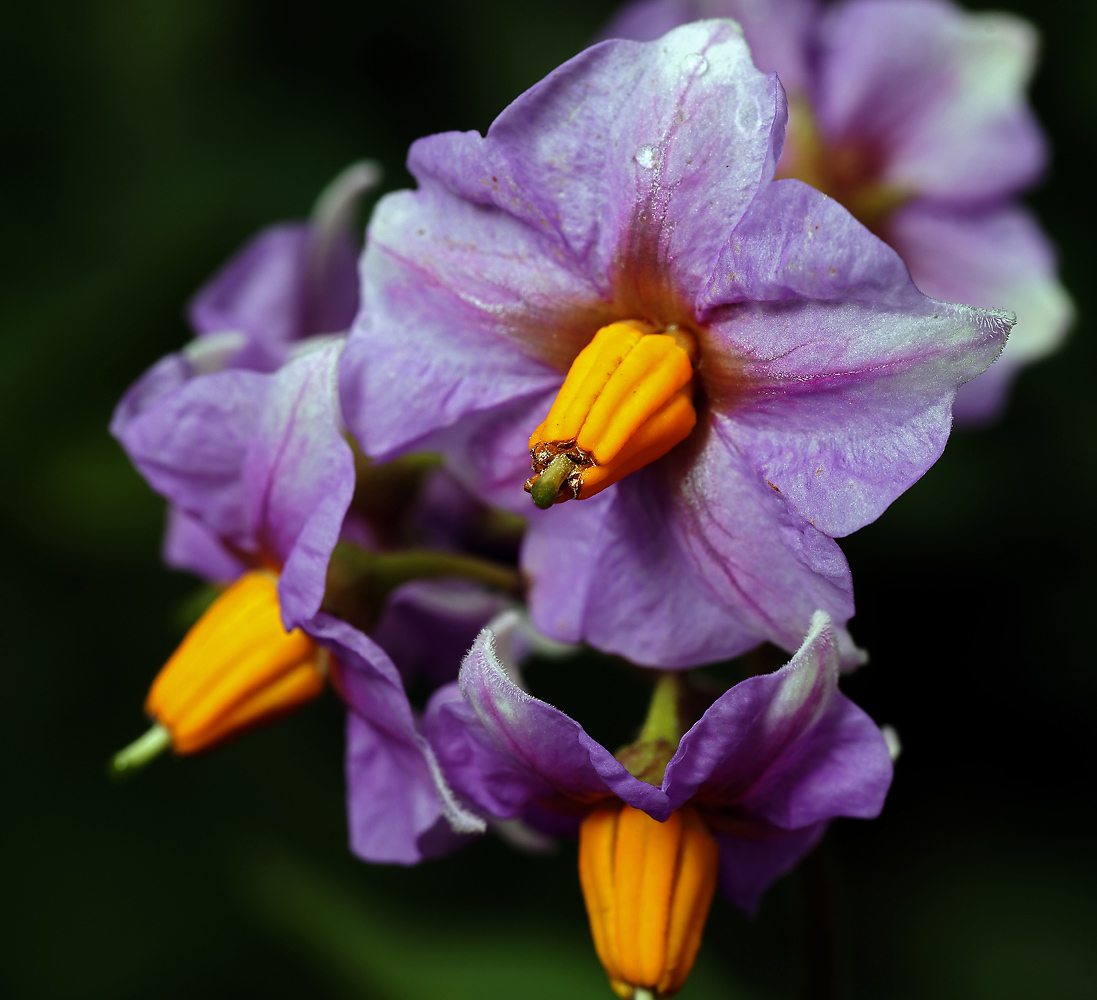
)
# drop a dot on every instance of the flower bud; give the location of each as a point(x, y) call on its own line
point(236, 668)
point(648, 887)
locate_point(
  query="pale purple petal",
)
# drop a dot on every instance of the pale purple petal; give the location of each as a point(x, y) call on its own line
point(166, 375)
point(937, 91)
point(846, 373)
point(612, 153)
point(543, 740)
point(997, 257)
point(291, 281)
point(692, 560)
point(191, 444)
point(749, 865)
point(778, 31)
point(842, 767)
point(428, 626)
point(190, 545)
point(260, 291)
point(751, 727)
point(258, 459)
point(476, 768)
point(299, 477)
point(396, 795)
point(447, 285)
point(489, 451)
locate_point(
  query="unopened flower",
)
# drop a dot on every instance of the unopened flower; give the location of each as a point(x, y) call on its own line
point(912, 113)
point(748, 790)
point(609, 281)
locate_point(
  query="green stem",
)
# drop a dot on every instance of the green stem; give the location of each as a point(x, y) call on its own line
point(662, 718)
point(388, 570)
point(140, 752)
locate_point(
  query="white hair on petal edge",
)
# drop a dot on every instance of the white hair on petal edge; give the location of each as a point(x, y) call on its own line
point(460, 819)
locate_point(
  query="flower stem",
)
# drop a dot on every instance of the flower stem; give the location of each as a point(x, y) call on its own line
point(140, 752)
point(389, 570)
point(662, 718)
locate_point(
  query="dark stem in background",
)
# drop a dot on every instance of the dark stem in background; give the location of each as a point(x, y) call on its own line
point(821, 946)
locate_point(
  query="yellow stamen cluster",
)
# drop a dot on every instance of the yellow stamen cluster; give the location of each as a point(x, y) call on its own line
point(626, 401)
point(648, 887)
point(237, 667)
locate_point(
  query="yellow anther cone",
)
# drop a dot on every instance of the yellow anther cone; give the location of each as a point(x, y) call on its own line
point(235, 668)
point(648, 887)
point(626, 401)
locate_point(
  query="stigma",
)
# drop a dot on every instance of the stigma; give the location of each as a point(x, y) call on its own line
point(626, 401)
point(648, 887)
point(236, 668)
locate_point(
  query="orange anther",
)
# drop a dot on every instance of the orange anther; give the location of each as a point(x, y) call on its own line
point(648, 887)
point(627, 400)
point(235, 668)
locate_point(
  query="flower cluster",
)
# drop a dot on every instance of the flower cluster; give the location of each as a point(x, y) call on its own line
point(611, 374)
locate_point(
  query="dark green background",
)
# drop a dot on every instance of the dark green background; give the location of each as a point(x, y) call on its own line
point(143, 143)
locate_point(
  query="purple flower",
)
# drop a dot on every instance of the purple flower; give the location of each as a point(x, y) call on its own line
point(912, 114)
point(241, 432)
point(633, 184)
point(259, 474)
point(767, 766)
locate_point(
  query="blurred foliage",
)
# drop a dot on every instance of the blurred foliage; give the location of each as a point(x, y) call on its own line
point(144, 142)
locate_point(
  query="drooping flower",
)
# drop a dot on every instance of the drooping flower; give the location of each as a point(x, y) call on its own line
point(776, 379)
point(750, 787)
point(912, 113)
point(257, 466)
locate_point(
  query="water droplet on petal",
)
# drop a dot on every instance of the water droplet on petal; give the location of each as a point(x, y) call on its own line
point(645, 156)
point(695, 63)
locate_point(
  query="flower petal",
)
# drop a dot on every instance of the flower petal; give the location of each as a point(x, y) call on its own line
point(291, 281)
point(841, 768)
point(613, 154)
point(190, 445)
point(190, 545)
point(427, 626)
point(996, 257)
point(749, 866)
point(260, 291)
point(475, 767)
point(259, 460)
point(299, 477)
point(842, 392)
point(776, 30)
point(939, 91)
point(396, 794)
point(692, 560)
point(751, 727)
point(541, 742)
point(449, 287)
